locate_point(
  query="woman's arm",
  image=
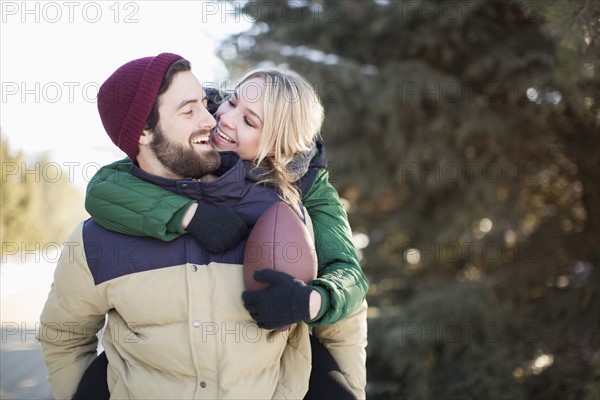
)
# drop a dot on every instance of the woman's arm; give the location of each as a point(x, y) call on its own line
point(121, 202)
point(340, 281)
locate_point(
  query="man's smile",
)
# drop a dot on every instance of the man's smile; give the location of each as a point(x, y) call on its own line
point(200, 138)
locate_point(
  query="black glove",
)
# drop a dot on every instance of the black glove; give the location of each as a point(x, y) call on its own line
point(284, 302)
point(217, 228)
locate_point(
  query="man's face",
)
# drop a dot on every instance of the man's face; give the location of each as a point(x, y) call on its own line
point(181, 139)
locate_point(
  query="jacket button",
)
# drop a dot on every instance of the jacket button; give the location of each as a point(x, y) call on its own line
point(194, 268)
point(202, 384)
point(184, 186)
point(196, 324)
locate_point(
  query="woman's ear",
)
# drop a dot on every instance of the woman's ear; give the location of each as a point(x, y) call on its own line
point(146, 137)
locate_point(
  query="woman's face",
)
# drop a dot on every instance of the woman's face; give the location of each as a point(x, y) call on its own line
point(240, 120)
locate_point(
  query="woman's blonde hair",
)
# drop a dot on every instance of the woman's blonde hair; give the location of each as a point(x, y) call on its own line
point(293, 115)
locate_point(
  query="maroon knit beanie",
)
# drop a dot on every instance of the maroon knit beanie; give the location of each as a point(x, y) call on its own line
point(126, 98)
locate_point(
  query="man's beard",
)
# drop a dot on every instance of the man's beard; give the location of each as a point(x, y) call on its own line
point(183, 160)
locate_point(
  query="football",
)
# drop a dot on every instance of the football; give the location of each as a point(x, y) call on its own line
point(280, 240)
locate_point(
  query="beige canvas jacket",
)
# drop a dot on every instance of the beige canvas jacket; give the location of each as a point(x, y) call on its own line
point(173, 330)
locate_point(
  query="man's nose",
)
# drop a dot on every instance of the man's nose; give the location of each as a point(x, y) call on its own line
point(206, 120)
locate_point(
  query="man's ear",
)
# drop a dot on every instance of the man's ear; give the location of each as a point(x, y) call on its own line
point(146, 137)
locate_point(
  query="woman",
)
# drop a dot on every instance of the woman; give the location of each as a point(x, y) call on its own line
point(272, 121)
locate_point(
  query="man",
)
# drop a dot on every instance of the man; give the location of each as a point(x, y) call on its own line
point(176, 323)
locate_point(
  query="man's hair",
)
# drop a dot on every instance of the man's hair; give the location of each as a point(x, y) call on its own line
point(175, 68)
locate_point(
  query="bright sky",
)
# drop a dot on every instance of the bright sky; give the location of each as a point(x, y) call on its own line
point(55, 55)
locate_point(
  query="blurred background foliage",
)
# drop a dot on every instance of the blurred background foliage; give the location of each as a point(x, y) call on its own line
point(464, 136)
point(37, 203)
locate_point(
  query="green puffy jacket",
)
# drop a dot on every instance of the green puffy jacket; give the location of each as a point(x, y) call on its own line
point(121, 202)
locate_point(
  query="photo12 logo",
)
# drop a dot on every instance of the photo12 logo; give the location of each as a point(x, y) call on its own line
point(53, 12)
point(49, 172)
point(49, 92)
point(270, 11)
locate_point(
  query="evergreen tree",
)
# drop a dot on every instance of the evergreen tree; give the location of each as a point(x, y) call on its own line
point(464, 136)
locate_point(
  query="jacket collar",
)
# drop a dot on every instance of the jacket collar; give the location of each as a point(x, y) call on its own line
point(230, 182)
